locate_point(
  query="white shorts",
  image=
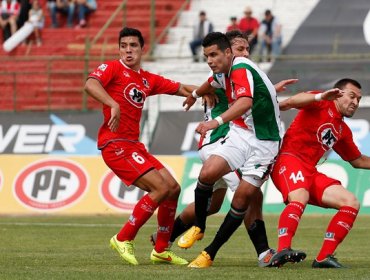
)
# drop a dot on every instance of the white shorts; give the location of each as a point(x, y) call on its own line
point(242, 150)
point(231, 179)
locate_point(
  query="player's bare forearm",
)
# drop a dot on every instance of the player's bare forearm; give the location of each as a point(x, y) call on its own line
point(237, 109)
point(302, 99)
point(362, 162)
point(96, 90)
point(185, 90)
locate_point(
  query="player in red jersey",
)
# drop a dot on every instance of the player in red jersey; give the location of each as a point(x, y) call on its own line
point(122, 87)
point(317, 128)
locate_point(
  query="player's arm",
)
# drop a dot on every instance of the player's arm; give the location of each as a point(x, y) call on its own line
point(96, 90)
point(303, 99)
point(362, 162)
point(239, 107)
point(204, 89)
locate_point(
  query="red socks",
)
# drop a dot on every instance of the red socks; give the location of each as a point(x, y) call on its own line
point(143, 210)
point(288, 223)
point(337, 230)
point(166, 218)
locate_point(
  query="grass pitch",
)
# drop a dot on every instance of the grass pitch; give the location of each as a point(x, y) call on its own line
point(60, 247)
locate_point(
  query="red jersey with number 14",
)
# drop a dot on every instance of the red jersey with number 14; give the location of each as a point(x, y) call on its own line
point(129, 89)
point(316, 129)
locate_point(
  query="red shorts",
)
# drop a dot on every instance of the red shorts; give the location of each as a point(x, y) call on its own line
point(290, 173)
point(129, 160)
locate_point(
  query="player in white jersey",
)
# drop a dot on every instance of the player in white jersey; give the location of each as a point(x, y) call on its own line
point(251, 144)
point(253, 219)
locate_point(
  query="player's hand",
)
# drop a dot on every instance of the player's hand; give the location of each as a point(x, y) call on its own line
point(203, 127)
point(210, 100)
point(332, 94)
point(281, 86)
point(115, 115)
point(189, 101)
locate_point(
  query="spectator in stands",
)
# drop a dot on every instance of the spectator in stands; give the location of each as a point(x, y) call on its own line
point(85, 7)
point(233, 24)
point(65, 7)
point(36, 17)
point(25, 6)
point(8, 18)
point(270, 31)
point(249, 25)
point(201, 29)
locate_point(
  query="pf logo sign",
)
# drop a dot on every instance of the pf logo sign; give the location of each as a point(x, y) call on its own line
point(50, 184)
point(117, 195)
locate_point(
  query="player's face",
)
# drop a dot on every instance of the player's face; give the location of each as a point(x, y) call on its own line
point(349, 102)
point(219, 61)
point(240, 47)
point(130, 52)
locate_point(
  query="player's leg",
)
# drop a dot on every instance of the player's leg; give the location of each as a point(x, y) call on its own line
point(134, 165)
point(292, 179)
point(232, 221)
point(166, 214)
point(255, 226)
point(337, 197)
point(212, 170)
point(186, 219)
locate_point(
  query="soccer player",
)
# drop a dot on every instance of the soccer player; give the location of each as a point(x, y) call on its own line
point(253, 219)
point(122, 87)
point(251, 144)
point(318, 127)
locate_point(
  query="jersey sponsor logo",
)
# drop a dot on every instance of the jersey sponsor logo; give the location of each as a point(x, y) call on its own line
point(327, 135)
point(145, 82)
point(282, 169)
point(117, 195)
point(126, 74)
point(135, 96)
point(241, 90)
point(97, 73)
point(103, 67)
point(50, 184)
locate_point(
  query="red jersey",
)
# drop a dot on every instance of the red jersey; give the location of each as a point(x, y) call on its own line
point(129, 89)
point(248, 25)
point(316, 129)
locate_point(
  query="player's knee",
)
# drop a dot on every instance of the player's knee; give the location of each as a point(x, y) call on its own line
point(300, 195)
point(171, 191)
point(207, 175)
point(351, 201)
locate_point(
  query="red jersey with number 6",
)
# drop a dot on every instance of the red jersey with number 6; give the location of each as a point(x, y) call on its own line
point(129, 89)
point(316, 129)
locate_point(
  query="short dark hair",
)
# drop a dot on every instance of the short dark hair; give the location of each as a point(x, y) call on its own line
point(232, 34)
point(343, 82)
point(216, 38)
point(127, 31)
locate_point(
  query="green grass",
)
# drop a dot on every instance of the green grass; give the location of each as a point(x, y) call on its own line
point(60, 247)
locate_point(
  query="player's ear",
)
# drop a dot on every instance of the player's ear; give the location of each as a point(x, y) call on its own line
point(228, 52)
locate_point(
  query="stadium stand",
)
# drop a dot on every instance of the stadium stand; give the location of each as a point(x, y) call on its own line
point(51, 76)
point(329, 44)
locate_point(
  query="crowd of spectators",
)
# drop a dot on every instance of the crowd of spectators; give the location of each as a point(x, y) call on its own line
point(15, 13)
point(264, 35)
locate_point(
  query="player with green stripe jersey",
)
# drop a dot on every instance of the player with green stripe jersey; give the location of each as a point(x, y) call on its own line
point(251, 144)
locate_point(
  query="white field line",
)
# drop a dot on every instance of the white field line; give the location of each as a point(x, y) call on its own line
point(84, 225)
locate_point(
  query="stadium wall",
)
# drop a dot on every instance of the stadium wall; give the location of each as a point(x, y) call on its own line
point(49, 164)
